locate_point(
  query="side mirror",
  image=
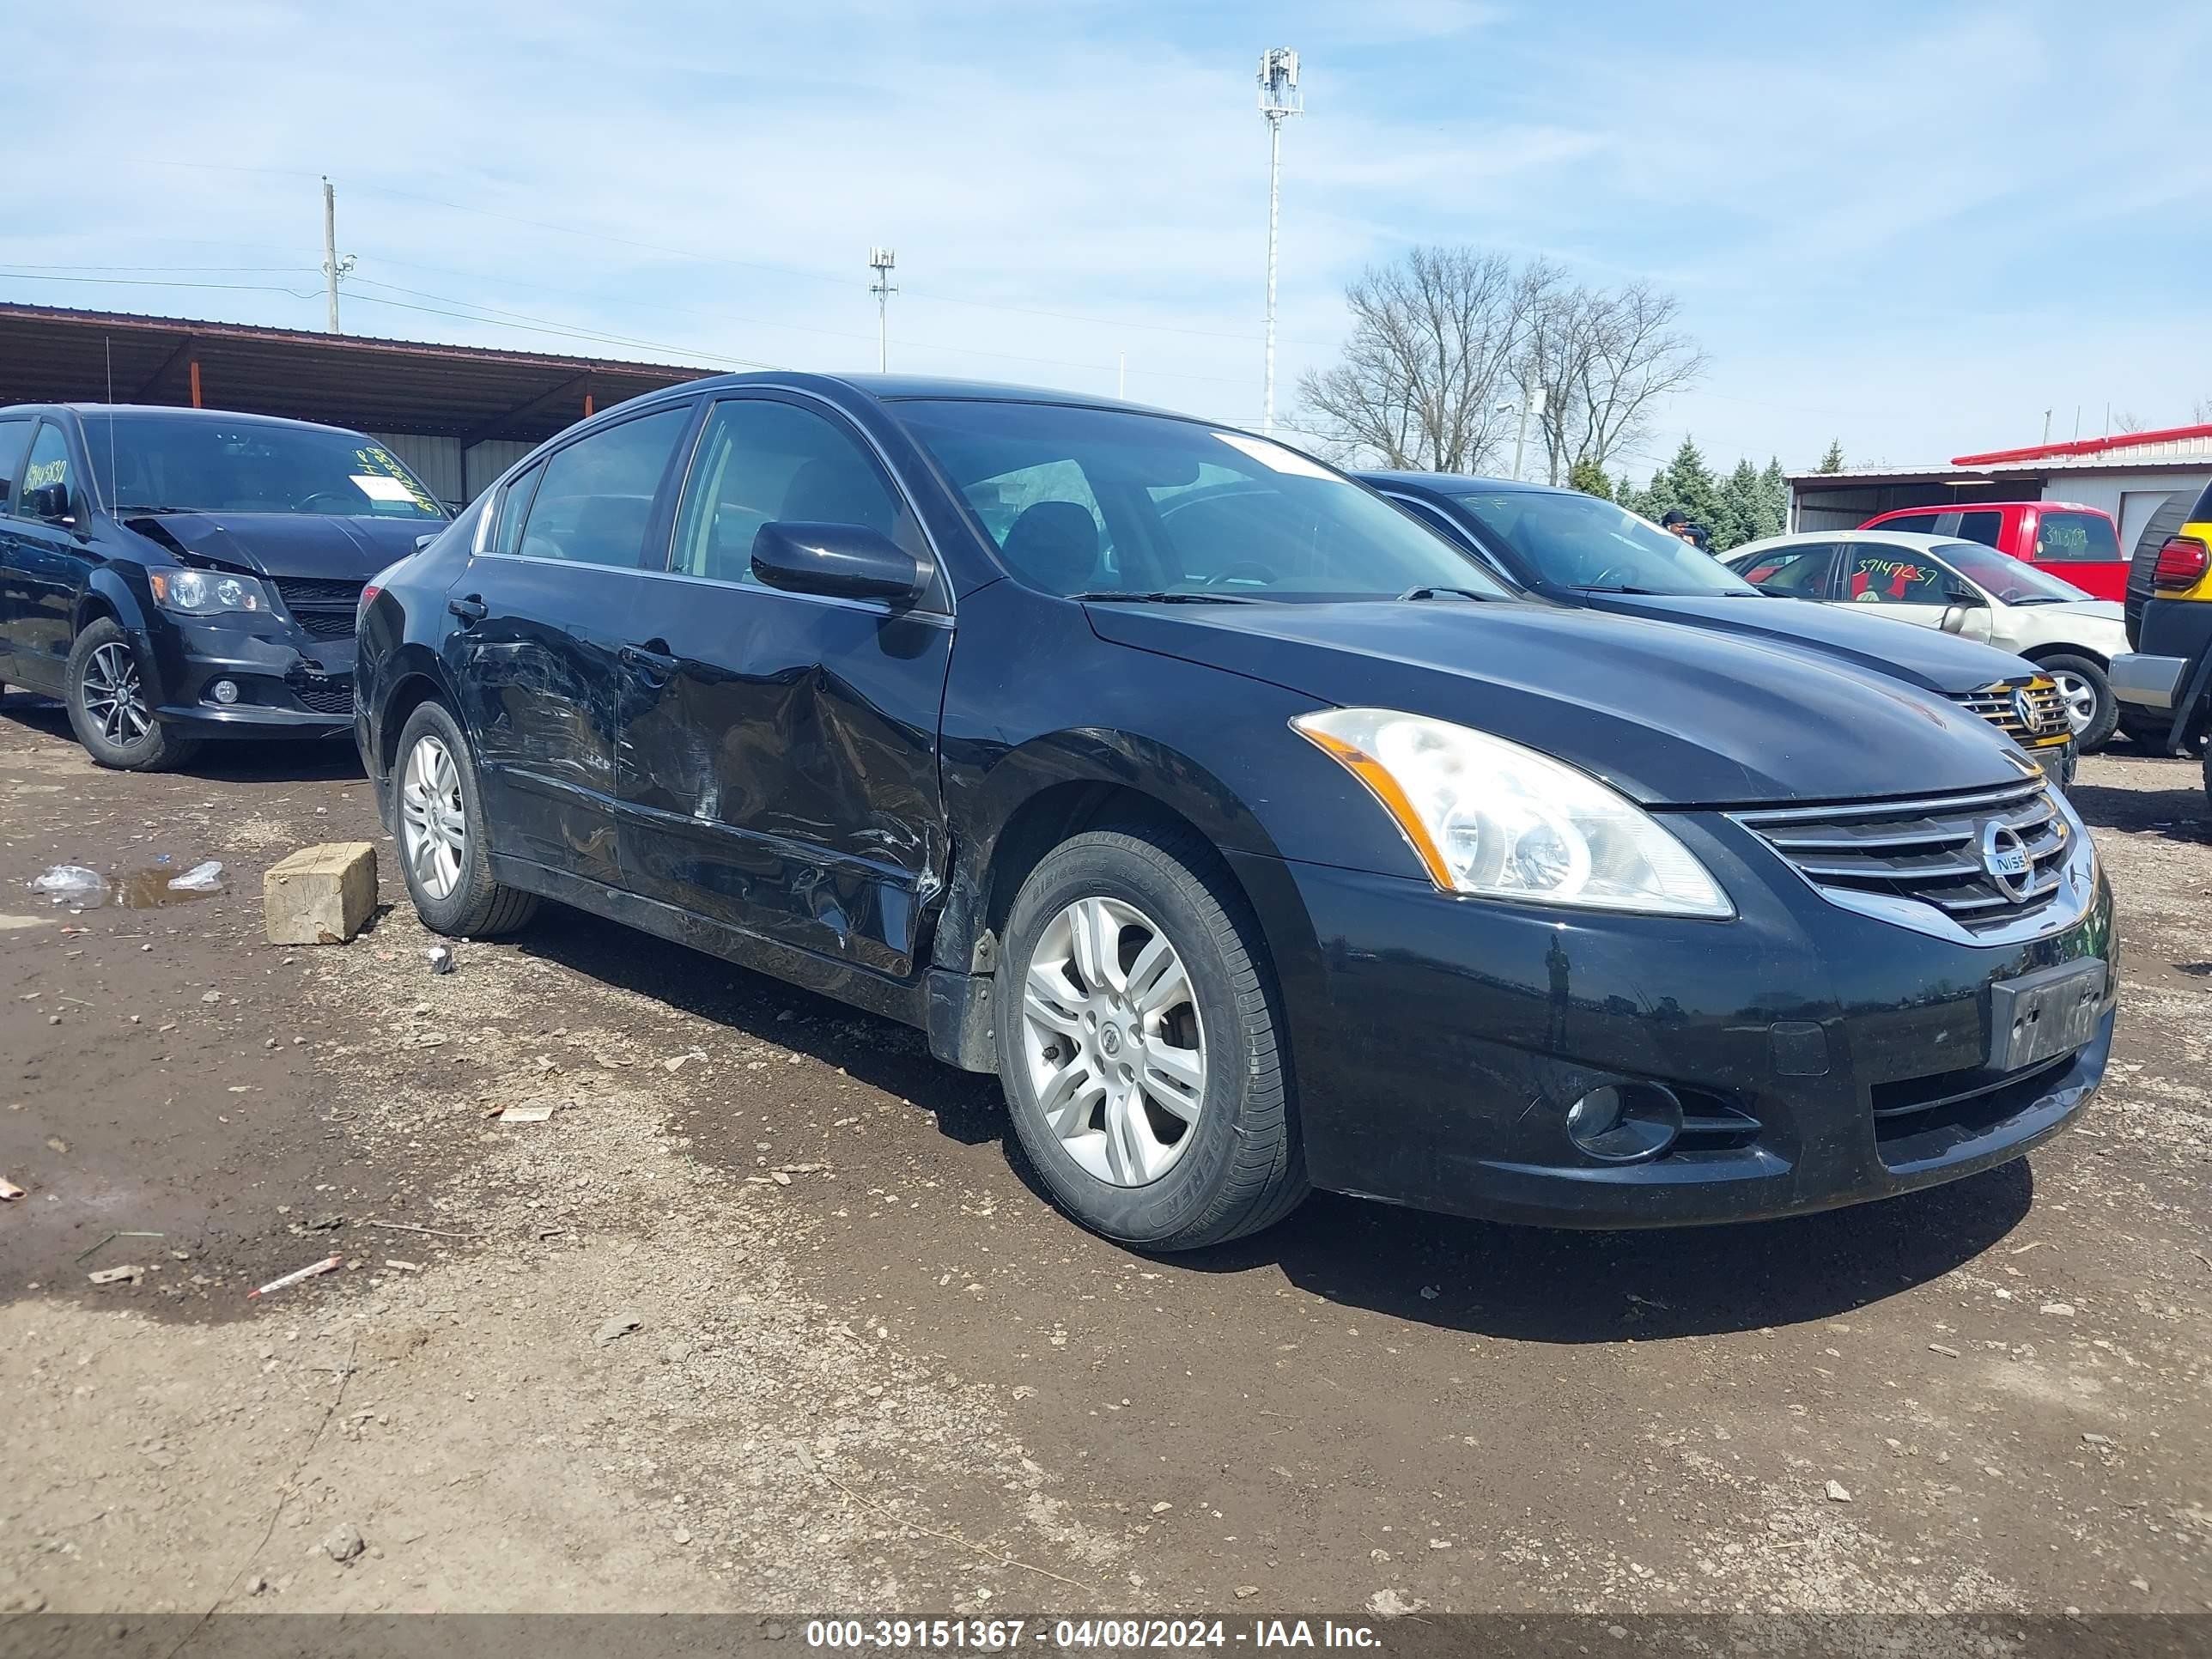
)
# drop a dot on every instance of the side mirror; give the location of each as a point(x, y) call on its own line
point(1969, 621)
point(50, 502)
point(839, 561)
point(421, 542)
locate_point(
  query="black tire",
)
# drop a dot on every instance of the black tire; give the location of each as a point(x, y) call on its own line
point(1243, 1168)
point(2208, 777)
point(141, 742)
point(2094, 736)
point(2149, 729)
point(478, 907)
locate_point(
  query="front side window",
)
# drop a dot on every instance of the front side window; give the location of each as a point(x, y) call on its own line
point(1983, 525)
point(202, 464)
point(1113, 503)
point(593, 504)
point(1799, 573)
point(14, 432)
point(1896, 575)
point(49, 464)
point(1574, 540)
point(759, 462)
point(2076, 539)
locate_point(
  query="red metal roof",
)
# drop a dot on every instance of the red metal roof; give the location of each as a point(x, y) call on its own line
point(2084, 446)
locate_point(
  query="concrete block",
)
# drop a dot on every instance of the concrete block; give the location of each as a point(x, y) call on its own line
point(319, 895)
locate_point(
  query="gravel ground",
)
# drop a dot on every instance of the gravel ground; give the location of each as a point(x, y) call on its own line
point(763, 1317)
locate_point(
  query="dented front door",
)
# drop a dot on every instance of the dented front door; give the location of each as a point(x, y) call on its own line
point(778, 769)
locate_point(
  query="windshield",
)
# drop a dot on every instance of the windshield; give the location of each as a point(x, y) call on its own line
point(1112, 503)
point(2012, 581)
point(196, 464)
point(1578, 541)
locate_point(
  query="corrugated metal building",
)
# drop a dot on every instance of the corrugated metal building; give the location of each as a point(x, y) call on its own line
point(2145, 480)
point(457, 414)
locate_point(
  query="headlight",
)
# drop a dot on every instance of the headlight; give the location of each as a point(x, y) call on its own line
point(206, 593)
point(1494, 819)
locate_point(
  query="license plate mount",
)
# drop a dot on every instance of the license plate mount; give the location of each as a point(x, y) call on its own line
point(2045, 1014)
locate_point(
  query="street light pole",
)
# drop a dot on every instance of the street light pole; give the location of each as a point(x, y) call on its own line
point(1278, 98)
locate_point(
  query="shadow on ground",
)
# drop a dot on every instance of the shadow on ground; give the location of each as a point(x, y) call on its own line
point(260, 760)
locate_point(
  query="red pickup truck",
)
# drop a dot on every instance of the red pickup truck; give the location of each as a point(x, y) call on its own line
point(2076, 544)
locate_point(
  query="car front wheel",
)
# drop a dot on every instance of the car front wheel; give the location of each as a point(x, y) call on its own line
point(2091, 710)
point(1140, 1044)
point(438, 819)
point(110, 706)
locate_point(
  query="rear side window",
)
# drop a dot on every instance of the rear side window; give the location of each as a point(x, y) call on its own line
point(2075, 538)
point(514, 506)
point(761, 461)
point(1802, 572)
point(594, 500)
point(14, 432)
point(49, 462)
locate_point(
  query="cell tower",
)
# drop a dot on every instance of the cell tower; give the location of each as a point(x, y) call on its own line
point(880, 260)
point(1279, 97)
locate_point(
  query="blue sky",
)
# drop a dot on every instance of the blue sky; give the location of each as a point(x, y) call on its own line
point(1912, 228)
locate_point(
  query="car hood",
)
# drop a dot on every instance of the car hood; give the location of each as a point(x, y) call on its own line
point(1668, 715)
point(284, 543)
point(2091, 610)
point(1925, 656)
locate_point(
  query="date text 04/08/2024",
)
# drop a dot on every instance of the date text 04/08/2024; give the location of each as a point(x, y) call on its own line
point(1004, 1635)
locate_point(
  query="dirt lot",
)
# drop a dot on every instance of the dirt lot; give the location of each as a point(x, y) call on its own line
point(763, 1318)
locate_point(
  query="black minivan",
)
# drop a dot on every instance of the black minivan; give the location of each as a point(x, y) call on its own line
point(177, 575)
point(1254, 837)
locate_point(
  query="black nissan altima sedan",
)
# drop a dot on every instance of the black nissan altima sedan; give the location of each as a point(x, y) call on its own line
point(179, 574)
point(1255, 838)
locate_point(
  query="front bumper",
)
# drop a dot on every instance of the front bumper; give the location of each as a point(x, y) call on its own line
point(1829, 1057)
point(288, 683)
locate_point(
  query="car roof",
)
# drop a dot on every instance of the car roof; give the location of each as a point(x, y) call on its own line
point(172, 411)
point(1986, 507)
point(908, 388)
point(1911, 540)
point(1445, 483)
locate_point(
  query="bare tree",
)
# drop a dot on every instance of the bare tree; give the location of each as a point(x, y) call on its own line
point(2127, 420)
point(2202, 412)
point(1448, 344)
point(1433, 341)
point(1602, 359)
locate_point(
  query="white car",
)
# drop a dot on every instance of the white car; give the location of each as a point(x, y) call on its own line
point(1961, 587)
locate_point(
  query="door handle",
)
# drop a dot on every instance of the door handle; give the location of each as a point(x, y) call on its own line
point(653, 653)
point(470, 608)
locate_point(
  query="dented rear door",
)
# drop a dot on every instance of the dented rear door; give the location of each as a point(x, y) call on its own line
point(779, 755)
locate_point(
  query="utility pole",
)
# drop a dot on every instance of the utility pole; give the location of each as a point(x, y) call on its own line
point(2046, 426)
point(1278, 98)
point(880, 260)
point(333, 267)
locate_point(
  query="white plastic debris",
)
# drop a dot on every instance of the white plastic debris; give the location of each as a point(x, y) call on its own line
point(9, 1191)
point(440, 958)
point(200, 879)
point(327, 1265)
point(531, 1111)
point(72, 884)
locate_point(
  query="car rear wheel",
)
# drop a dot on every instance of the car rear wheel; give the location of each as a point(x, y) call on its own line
point(1138, 1043)
point(438, 814)
point(2091, 708)
point(110, 708)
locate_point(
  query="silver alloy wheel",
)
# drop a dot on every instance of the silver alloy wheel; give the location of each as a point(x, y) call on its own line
point(112, 696)
point(2081, 699)
point(1115, 1049)
point(434, 831)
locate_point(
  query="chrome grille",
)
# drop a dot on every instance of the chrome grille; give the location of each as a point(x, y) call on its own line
point(1927, 851)
point(2001, 705)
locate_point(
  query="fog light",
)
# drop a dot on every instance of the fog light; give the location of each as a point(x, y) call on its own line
point(1622, 1122)
point(224, 692)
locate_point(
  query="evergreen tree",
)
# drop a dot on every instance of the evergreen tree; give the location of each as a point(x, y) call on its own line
point(1737, 519)
point(1773, 501)
point(1589, 476)
point(1834, 460)
point(1687, 482)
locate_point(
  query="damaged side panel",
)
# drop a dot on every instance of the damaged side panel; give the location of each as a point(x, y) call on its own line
point(778, 766)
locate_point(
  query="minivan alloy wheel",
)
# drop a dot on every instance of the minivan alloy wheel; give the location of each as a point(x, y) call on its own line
point(1113, 1040)
point(113, 695)
point(433, 824)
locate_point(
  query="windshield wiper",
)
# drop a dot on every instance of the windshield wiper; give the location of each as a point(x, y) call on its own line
point(1163, 598)
point(1638, 593)
point(135, 507)
point(1475, 594)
